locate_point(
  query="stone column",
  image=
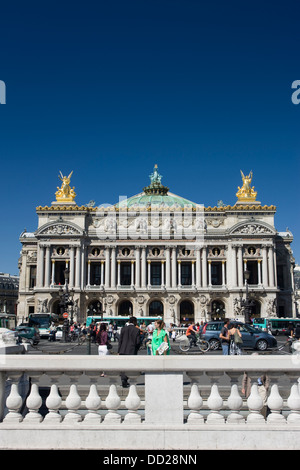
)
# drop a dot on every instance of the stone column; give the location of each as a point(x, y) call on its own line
point(107, 266)
point(193, 273)
point(144, 262)
point(259, 271)
point(204, 266)
point(48, 267)
point(132, 273)
point(119, 273)
point(149, 273)
point(233, 266)
point(40, 266)
point(223, 274)
point(240, 266)
point(198, 268)
point(89, 274)
point(265, 266)
point(168, 271)
point(230, 260)
point(209, 273)
point(137, 267)
point(78, 268)
point(162, 272)
point(174, 267)
point(113, 267)
point(83, 267)
point(53, 273)
point(102, 273)
point(179, 272)
point(271, 266)
point(72, 263)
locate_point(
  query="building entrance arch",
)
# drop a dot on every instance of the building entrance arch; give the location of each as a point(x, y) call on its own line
point(156, 309)
point(125, 308)
point(187, 313)
point(94, 307)
point(56, 308)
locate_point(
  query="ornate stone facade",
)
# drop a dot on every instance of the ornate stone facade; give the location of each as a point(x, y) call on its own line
point(157, 253)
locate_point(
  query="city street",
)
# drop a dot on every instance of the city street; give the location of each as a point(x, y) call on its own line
point(59, 347)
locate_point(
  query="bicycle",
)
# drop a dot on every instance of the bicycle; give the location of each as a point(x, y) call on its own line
point(186, 344)
point(289, 344)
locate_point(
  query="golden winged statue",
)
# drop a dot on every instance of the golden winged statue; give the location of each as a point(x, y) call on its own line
point(246, 193)
point(65, 193)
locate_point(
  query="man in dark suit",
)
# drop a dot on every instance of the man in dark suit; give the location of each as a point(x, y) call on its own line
point(129, 343)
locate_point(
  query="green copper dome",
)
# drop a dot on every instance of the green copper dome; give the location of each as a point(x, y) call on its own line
point(155, 195)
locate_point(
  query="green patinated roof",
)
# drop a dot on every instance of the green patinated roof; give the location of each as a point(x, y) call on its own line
point(163, 200)
point(155, 195)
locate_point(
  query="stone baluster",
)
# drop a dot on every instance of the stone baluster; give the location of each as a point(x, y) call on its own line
point(112, 403)
point(93, 404)
point(34, 400)
point(215, 404)
point(53, 403)
point(235, 403)
point(73, 403)
point(195, 403)
point(132, 404)
point(14, 402)
point(293, 403)
point(275, 403)
point(33, 403)
point(255, 404)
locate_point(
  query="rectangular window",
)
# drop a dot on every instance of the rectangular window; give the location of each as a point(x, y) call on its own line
point(216, 274)
point(95, 274)
point(32, 280)
point(252, 266)
point(155, 274)
point(125, 274)
point(186, 274)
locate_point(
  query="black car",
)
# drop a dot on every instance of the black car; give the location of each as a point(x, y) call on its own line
point(253, 338)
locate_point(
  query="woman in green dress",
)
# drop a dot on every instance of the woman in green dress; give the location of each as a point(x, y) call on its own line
point(159, 336)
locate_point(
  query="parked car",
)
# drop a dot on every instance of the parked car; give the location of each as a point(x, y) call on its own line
point(253, 338)
point(28, 332)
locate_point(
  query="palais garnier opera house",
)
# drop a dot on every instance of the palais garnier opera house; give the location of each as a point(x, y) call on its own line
point(157, 253)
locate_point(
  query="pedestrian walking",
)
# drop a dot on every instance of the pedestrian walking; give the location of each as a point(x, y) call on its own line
point(129, 343)
point(150, 329)
point(236, 340)
point(102, 341)
point(160, 337)
point(224, 336)
point(52, 332)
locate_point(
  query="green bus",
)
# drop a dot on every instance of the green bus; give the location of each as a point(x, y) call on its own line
point(277, 326)
point(42, 321)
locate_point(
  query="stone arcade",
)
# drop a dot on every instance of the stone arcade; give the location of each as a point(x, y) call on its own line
point(157, 253)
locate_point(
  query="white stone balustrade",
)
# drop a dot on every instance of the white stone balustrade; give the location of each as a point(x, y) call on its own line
point(181, 402)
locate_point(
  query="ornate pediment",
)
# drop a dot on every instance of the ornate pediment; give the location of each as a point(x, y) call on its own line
point(58, 229)
point(252, 228)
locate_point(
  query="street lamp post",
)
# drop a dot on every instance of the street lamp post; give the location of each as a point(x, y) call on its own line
point(66, 300)
point(247, 303)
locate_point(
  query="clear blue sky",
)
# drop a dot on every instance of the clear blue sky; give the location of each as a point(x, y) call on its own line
point(109, 88)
